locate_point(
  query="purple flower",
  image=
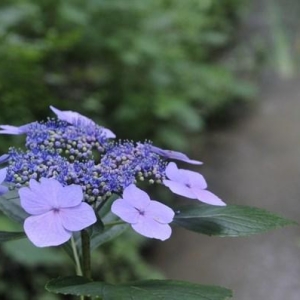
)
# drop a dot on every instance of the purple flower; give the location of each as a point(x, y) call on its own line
point(170, 154)
point(77, 119)
point(16, 130)
point(189, 184)
point(147, 217)
point(56, 212)
point(3, 189)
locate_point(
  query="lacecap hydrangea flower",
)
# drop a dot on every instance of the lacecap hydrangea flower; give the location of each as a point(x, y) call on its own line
point(72, 165)
point(56, 211)
point(147, 217)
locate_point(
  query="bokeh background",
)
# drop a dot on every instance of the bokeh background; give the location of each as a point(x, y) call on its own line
point(216, 79)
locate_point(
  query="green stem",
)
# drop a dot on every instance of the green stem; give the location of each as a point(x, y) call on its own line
point(119, 222)
point(86, 254)
point(76, 257)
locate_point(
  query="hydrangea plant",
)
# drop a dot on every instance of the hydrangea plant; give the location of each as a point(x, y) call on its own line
point(75, 185)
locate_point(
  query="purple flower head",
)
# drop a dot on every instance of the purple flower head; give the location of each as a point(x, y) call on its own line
point(3, 189)
point(147, 217)
point(170, 154)
point(56, 211)
point(77, 119)
point(15, 130)
point(189, 184)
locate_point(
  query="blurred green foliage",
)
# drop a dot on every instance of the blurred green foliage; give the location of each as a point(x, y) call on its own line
point(145, 69)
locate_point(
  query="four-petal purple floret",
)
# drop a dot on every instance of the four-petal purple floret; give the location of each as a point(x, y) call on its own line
point(147, 217)
point(189, 184)
point(56, 211)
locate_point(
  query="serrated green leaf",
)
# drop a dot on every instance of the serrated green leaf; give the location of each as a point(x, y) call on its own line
point(10, 206)
point(6, 236)
point(229, 221)
point(146, 290)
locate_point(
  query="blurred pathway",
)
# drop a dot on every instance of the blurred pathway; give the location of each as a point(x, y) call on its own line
point(255, 163)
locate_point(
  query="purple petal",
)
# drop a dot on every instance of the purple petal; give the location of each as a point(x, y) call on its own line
point(174, 155)
point(3, 174)
point(4, 158)
point(108, 133)
point(70, 196)
point(16, 130)
point(125, 211)
point(173, 173)
point(46, 230)
point(152, 229)
point(33, 202)
point(136, 197)
point(193, 179)
point(34, 185)
point(72, 117)
point(186, 177)
point(179, 189)
point(160, 212)
point(77, 119)
point(52, 191)
point(208, 197)
point(77, 218)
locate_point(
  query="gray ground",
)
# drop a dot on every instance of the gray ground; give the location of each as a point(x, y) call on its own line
point(257, 163)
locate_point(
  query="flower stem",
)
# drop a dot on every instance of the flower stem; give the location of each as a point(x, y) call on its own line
point(76, 257)
point(119, 222)
point(86, 254)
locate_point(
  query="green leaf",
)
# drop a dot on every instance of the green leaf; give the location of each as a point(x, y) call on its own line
point(146, 290)
point(107, 235)
point(6, 236)
point(230, 220)
point(10, 206)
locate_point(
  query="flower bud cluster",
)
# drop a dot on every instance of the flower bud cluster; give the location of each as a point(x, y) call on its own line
point(83, 156)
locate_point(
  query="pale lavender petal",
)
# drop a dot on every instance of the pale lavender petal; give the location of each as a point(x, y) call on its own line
point(4, 158)
point(66, 115)
point(70, 196)
point(160, 212)
point(33, 202)
point(3, 174)
point(174, 174)
point(125, 211)
point(174, 155)
point(77, 218)
point(153, 229)
point(108, 133)
point(179, 189)
point(208, 197)
point(34, 185)
point(46, 230)
point(77, 119)
point(15, 130)
point(52, 190)
point(194, 179)
point(136, 197)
